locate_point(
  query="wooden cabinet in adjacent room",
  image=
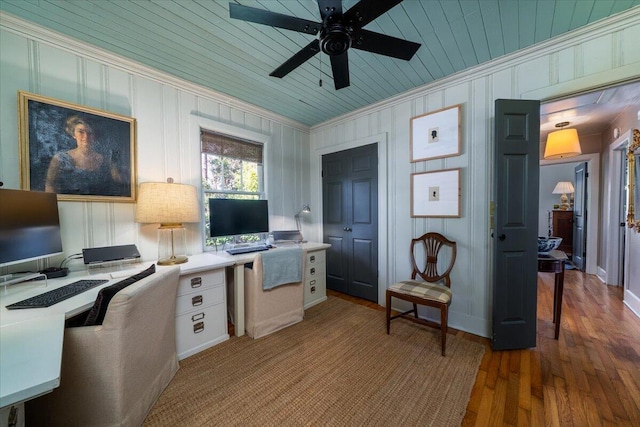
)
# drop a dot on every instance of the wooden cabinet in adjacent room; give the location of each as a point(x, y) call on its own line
point(563, 227)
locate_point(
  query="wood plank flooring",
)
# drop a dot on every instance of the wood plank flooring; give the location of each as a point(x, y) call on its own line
point(590, 376)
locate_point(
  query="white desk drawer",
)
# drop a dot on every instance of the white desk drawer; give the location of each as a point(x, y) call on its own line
point(199, 329)
point(192, 282)
point(200, 298)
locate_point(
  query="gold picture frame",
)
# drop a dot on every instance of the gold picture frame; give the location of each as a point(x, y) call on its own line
point(436, 194)
point(79, 153)
point(436, 134)
point(633, 191)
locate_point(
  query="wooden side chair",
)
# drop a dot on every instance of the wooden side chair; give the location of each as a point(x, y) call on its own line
point(433, 290)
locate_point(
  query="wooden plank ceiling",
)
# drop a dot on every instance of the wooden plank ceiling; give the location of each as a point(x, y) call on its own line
point(197, 41)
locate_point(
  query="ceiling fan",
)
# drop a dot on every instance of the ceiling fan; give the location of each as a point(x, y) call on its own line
point(336, 33)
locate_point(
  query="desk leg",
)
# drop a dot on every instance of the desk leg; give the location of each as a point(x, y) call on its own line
point(557, 298)
point(238, 303)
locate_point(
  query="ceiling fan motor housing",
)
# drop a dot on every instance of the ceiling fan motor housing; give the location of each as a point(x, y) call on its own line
point(335, 39)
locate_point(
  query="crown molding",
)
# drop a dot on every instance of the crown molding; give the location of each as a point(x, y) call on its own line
point(619, 22)
point(43, 35)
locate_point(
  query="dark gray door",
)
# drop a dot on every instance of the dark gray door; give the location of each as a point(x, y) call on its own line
point(580, 216)
point(350, 220)
point(517, 151)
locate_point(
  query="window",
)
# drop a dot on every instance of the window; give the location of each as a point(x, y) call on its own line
point(231, 169)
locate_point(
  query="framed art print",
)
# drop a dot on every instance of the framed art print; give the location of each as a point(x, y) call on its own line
point(436, 134)
point(77, 152)
point(436, 194)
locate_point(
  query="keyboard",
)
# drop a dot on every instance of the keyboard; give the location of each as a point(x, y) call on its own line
point(247, 249)
point(55, 296)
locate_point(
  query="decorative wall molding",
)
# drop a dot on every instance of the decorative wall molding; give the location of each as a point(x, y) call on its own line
point(52, 38)
point(592, 31)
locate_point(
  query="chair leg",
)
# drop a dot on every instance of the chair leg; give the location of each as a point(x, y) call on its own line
point(415, 311)
point(443, 327)
point(388, 303)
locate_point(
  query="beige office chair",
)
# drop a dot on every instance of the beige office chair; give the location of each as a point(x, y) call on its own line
point(268, 311)
point(113, 373)
point(433, 290)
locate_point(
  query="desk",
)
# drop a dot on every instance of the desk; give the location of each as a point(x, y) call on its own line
point(238, 279)
point(31, 339)
point(554, 263)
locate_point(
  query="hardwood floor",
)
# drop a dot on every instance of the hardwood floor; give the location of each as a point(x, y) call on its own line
point(590, 376)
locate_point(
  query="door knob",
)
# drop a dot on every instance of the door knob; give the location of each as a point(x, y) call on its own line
point(502, 237)
point(347, 229)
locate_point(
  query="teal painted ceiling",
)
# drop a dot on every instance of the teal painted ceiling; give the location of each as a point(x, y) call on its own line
point(197, 41)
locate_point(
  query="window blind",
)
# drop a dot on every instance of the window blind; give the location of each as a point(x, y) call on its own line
point(229, 146)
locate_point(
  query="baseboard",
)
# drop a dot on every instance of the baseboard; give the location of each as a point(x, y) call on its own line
point(632, 301)
point(315, 302)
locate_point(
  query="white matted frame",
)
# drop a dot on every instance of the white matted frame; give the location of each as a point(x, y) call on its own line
point(436, 194)
point(436, 134)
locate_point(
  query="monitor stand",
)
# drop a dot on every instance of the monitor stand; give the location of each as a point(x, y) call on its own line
point(14, 278)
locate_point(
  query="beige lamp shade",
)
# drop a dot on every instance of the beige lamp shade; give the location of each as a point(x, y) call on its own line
point(562, 143)
point(167, 203)
point(563, 187)
point(170, 205)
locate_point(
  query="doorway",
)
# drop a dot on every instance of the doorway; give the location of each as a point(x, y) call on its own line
point(386, 261)
point(350, 220)
point(593, 192)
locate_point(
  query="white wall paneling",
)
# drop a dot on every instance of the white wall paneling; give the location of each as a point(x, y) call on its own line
point(569, 64)
point(37, 60)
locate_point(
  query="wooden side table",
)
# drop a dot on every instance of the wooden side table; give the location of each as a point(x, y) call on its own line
point(554, 263)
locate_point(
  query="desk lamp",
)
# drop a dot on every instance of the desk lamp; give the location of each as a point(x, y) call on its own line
point(171, 205)
point(305, 209)
point(563, 187)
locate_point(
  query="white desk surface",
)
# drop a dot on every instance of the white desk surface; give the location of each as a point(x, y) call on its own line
point(31, 339)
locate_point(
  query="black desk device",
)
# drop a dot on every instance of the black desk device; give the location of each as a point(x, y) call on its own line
point(110, 253)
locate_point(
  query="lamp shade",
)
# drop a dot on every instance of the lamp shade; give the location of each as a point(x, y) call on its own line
point(562, 143)
point(563, 187)
point(167, 203)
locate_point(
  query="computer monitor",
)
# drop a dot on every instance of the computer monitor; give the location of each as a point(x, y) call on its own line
point(233, 217)
point(29, 226)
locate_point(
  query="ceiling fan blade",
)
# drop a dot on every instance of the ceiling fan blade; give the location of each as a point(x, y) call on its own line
point(340, 69)
point(329, 7)
point(384, 44)
point(296, 60)
point(366, 11)
point(260, 16)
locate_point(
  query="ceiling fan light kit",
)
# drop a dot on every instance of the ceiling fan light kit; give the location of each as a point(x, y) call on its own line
point(336, 34)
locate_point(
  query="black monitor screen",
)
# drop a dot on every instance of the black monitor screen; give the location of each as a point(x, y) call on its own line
point(29, 226)
point(232, 217)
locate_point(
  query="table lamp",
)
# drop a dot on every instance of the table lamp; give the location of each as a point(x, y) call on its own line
point(170, 205)
point(563, 187)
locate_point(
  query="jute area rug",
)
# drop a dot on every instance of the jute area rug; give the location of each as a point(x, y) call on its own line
point(337, 367)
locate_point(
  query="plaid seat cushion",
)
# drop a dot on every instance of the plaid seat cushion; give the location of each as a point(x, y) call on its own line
point(432, 291)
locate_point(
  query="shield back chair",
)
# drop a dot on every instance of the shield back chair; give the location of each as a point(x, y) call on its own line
point(434, 290)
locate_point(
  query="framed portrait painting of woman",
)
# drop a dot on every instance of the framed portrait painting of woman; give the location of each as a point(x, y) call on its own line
point(79, 153)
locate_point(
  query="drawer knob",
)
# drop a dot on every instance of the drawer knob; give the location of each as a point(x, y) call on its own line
point(197, 300)
point(312, 283)
point(197, 317)
point(312, 258)
point(313, 289)
point(196, 282)
point(198, 327)
point(313, 270)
